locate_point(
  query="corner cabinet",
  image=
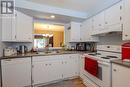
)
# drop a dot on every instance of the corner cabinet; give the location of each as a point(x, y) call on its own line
point(87, 30)
point(51, 68)
point(120, 76)
point(17, 28)
point(16, 72)
point(126, 15)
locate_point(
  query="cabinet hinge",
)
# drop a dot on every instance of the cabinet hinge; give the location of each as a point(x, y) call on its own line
point(120, 7)
point(120, 18)
point(15, 37)
point(32, 66)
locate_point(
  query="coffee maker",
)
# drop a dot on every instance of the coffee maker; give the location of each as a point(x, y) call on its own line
point(22, 49)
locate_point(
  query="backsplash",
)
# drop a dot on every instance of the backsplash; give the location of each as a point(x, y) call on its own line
point(114, 48)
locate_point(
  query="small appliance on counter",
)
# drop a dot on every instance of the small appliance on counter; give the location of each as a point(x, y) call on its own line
point(86, 47)
point(9, 51)
point(126, 51)
point(81, 46)
point(22, 49)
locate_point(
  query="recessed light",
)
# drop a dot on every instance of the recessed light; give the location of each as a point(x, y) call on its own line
point(52, 16)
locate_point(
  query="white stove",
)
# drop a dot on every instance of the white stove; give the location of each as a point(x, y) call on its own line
point(104, 59)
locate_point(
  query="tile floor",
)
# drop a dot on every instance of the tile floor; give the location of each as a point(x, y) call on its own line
point(67, 83)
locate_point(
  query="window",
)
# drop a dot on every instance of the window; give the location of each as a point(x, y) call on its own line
point(41, 41)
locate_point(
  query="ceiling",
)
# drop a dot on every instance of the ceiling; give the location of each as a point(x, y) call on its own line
point(46, 16)
point(77, 5)
point(64, 10)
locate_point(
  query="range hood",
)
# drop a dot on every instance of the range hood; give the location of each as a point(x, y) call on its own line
point(109, 30)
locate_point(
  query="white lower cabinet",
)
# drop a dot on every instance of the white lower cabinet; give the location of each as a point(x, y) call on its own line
point(120, 76)
point(70, 65)
point(16, 72)
point(51, 68)
point(46, 69)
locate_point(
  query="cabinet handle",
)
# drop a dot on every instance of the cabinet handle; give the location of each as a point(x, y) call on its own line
point(106, 23)
point(46, 64)
point(49, 64)
point(8, 60)
point(15, 15)
point(114, 70)
point(126, 35)
point(15, 37)
point(100, 25)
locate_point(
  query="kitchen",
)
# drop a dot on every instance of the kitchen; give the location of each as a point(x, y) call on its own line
point(63, 44)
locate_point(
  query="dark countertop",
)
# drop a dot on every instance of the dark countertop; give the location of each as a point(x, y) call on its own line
point(122, 63)
point(42, 54)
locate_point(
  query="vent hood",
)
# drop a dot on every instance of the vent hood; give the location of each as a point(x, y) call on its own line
point(110, 29)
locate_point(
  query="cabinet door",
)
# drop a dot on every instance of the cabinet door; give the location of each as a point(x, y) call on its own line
point(98, 22)
point(16, 72)
point(7, 27)
point(126, 15)
point(46, 70)
point(70, 66)
point(75, 31)
point(113, 15)
point(120, 76)
point(87, 31)
point(23, 27)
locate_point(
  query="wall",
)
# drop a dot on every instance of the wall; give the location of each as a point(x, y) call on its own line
point(110, 42)
point(57, 35)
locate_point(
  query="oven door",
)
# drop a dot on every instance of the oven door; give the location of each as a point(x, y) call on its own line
point(105, 73)
point(96, 80)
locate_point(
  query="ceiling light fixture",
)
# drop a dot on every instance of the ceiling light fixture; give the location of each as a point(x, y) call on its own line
point(52, 16)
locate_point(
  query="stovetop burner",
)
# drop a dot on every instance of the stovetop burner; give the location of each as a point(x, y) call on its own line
point(105, 57)
point(112, 56)
point(94, 54)
point(109, 57)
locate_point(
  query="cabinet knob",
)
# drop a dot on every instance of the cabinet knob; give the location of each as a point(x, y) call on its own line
point(46, 64)
point(106, 23)
point(126, 35)
point(114, 70)
point(100, 25)
point(49, 64)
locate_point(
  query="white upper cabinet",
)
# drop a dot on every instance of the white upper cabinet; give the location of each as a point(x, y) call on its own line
point(113, 17)
point(109, 20)
point(98, 22)
point(8, 28)
point(19, 28)
point(87, 30)
point(24, 27)
point(75, 32)
point(126, 15)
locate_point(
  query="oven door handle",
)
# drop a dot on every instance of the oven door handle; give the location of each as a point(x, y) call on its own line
point(104, 63)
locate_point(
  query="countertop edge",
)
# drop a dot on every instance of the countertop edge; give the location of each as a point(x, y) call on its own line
point(122, 63)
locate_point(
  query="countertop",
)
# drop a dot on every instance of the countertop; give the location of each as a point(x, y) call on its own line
point(43, 54)
point(121, 62)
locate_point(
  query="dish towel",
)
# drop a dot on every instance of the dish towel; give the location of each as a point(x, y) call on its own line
point(91, 66)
